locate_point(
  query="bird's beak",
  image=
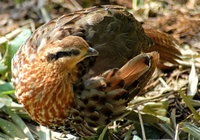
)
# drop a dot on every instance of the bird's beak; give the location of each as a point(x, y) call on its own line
point(91, 52)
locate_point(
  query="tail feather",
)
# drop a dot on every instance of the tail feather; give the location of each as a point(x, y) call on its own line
point(164, 44)
point(166, 54)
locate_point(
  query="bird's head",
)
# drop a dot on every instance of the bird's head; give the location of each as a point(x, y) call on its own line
point(66, 53)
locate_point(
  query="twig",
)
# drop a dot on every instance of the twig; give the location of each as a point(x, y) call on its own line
point(176, 137)
point(164, 83)
point(10, 35)
point(141, 124)
point(76, 4)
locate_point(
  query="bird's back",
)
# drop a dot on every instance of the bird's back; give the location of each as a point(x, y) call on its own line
point(111, 30)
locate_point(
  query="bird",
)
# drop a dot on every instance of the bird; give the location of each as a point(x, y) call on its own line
point(79, 71)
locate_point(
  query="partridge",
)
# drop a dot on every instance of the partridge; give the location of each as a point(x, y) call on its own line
point(80, 70)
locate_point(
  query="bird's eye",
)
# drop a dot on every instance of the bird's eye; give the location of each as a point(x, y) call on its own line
point(61, 54)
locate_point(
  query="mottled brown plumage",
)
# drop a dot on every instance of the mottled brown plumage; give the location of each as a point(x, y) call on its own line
point(66, 85)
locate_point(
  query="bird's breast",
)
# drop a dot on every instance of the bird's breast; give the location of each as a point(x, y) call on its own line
point(52, 107)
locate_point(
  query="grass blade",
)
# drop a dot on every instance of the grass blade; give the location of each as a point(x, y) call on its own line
point(19, 122)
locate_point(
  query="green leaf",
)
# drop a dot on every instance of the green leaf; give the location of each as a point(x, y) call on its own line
point(167, 129)
point(17, 1)
point(3, 63)
point(18, 41)
point(135, 137)
point(196, 115)
point(24, 115)
point(6, 87)
point(101, 137)
point(147, 118)
point(11, 129)
point(5, 100)
point(19, 122)
point(44, 133)
point(151, 131)
point(14, 46)
point(195, 103)
point(4, 136)
point(8, 92)
point(190, 128)
point(3, 68)
point(156, 108)
point(128, 134)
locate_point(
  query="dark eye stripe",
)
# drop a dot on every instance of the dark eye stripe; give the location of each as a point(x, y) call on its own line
point(75, 52)
point(61, 54)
